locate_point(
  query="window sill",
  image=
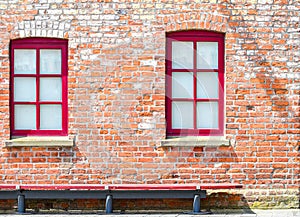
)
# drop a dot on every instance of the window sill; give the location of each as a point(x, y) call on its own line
point(40, 141)
point(196, 141)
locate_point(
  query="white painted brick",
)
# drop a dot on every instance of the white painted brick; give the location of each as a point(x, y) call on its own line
point(70, 11)
point(148, 63)
point(55, 33)
point(21, 25)
point(33, 32)
point(44, 32)
point(22, 33)
point(49, 33)
point(41, 7)
point(54, 12)
point(109, 17)
point(60, 34)
point(27, 33)
point(38, 32)
point(61, 26)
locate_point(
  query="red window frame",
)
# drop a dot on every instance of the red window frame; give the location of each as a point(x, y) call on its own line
point(37, 44)
point(195, 36)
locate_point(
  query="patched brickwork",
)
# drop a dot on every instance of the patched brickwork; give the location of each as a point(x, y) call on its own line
point(117, 96)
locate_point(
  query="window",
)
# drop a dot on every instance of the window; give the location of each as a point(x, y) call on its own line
point(38, 100)
point(195, 83)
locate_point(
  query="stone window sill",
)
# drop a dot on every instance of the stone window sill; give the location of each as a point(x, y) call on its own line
point(40, 141)
point(196, 141)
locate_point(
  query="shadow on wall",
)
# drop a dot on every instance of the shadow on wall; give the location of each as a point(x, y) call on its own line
point(223, 200)
point(216, 203)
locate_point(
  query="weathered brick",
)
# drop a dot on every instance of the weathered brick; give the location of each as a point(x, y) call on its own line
point(116, 98)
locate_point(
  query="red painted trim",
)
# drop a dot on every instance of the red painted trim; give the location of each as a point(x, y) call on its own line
point(39, 40)
point(8, 187)
point(37, 44)
point(38, 110)
point(195, 36)
point(129, 187)
point(148, 187)
point(65, 90)
point(195, 84)
point(63, 187)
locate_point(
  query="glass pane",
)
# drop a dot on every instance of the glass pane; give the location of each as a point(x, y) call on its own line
point(24, 90)
point(182, 115)
point(50, 89)
point(182, 85)
point(182, 55)
point(207, 85)
point(207, 115)
point(51, 117)
point(207, 55)
point(50, 62)
point(25, 117)
point(24, 61)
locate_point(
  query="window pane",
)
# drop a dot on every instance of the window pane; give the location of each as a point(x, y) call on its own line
point(24, 90)
point(207, 115)
point(182, 85)
point(207, 55)
point(207, 85)
point(182, 115)
point(25, 117)
point(50, 89)
point(51, 117)
point(50, 62)
point(182, 55)
point(24, 61)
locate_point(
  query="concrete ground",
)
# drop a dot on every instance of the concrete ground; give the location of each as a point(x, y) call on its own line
point(220, 213)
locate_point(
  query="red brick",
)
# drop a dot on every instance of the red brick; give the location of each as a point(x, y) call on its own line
point(116, 80)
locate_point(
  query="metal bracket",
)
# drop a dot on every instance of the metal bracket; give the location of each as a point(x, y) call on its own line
point(109, 204)
point(21, 203)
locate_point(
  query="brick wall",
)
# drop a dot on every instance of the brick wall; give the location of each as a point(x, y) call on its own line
point(117, 96)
